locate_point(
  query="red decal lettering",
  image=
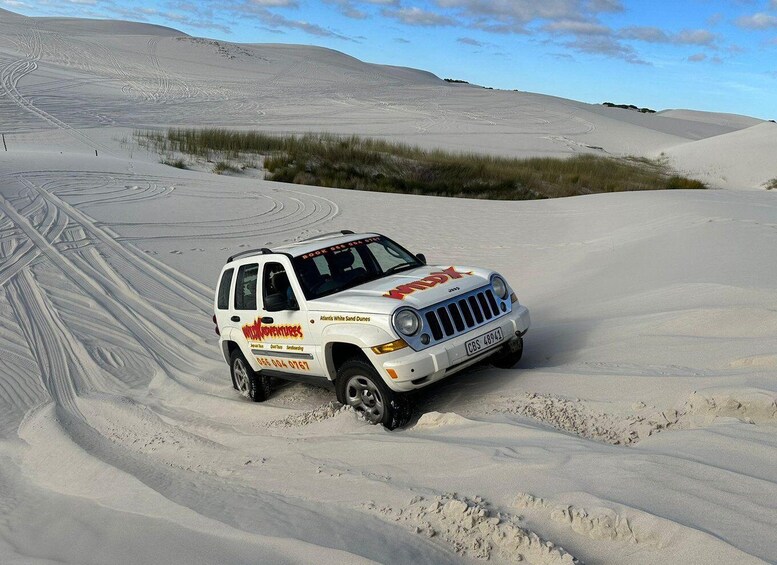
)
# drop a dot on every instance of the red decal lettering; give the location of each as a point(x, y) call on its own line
point(259, 332)
point(434, 279)
point(406, 288)
point(427, 282)
point(453, 273)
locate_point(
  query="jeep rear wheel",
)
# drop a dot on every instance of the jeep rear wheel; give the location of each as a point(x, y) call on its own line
point(360, 386)
point(248, 382)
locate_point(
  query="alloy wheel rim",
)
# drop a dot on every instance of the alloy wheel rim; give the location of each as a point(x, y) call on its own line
point(362, 394)
point(241, 376)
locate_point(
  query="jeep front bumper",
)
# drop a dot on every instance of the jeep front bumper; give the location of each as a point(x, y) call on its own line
point(416, 370)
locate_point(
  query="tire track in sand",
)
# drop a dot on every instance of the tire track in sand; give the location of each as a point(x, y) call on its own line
point(177, 350)
point(12, 73)
point(194, 291)
point(52, 226)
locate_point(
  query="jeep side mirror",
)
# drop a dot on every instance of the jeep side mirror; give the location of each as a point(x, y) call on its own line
point(421, 257)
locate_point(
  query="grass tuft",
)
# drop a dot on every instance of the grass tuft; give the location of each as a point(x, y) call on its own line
point(177, 163)
point(353, 162)
point(683, 183)
point(225, 167)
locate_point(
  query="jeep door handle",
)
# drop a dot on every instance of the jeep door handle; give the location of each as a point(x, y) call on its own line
point(235, 318)
point(267, 320)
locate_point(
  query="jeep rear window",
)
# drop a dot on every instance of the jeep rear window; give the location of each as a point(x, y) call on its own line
point(336, 268)
point(224, 285)
point(245, 287)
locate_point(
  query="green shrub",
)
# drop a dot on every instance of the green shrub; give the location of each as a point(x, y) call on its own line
point(772, 184)
point(358, 163)
point(675, 182)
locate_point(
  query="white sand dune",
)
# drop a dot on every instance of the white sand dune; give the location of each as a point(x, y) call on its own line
point(638, 428)
point(745, 158)
point(733, 121)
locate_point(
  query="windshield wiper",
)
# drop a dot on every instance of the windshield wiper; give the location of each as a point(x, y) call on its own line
point(399, 267)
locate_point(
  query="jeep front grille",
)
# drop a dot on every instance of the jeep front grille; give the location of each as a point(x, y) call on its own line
point(459, 315)
point(463, 314)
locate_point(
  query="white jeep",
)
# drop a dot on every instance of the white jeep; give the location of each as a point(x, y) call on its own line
point(361, 314)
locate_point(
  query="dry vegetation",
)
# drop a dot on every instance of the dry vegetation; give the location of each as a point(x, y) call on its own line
point(367, 164)
point(225, 167)
point(177, 163)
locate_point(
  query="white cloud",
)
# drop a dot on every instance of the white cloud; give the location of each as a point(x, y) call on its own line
point(607, 6)
point(524, 11)
point(274, 3)
point(276, 21)
point(606, 46)
point(760, 20)
point(348, 9)
point(574, 27)
point(418, 17)
point(656, 35)
point(470, 41)
point(694, 37)
point(645, 33)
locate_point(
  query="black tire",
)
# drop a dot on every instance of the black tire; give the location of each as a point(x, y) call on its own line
point(509, 360)
point(359, 385)
point(248, 382)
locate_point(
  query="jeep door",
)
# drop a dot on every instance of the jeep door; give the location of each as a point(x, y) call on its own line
point(279, 336)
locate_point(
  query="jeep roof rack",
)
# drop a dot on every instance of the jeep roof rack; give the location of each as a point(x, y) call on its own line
point(260, 251)
point(266, 251)
point(325, 235)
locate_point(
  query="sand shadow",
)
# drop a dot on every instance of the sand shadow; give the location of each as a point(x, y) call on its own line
point(545, 347)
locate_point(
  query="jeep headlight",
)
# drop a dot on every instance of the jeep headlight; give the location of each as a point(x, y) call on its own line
point(500, 286)
point(407, 321)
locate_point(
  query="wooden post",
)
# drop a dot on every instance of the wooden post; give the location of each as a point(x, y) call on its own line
point(4, 145)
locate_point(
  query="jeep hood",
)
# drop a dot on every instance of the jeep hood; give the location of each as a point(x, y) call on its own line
point(418, 288)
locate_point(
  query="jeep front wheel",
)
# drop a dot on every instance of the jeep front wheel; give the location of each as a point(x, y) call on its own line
point(248, 382)
point(511, 358)
point(360, 386)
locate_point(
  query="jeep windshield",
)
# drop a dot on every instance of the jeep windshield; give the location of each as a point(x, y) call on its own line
point(339, 267)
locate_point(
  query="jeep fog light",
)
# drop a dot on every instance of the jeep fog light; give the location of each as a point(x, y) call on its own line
point(389, 347)
point(407, 321)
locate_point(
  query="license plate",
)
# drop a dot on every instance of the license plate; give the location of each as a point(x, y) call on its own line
point(483, 342)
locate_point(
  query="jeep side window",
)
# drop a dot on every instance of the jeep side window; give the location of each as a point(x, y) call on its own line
point(245, 287)
point(277, 293)
point(224, 285)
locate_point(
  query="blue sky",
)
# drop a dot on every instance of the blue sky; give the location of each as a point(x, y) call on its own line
point(700, 54)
